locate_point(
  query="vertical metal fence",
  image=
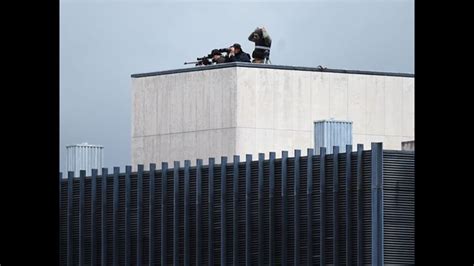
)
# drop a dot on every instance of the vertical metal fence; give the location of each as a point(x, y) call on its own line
point(351, 208)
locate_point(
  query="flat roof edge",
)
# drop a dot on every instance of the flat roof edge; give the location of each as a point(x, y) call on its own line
point(268, 66)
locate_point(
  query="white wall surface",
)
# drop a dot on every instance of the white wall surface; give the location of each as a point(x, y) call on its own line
point(240, 110)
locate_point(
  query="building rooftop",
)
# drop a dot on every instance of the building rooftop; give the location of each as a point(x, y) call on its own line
point(268, 66)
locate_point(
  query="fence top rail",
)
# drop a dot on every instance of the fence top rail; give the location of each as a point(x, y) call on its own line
point(229, 165)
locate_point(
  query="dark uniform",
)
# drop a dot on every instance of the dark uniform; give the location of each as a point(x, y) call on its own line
point(263, 42)
point(240, 56)
point(217, 60)
point(220, 60)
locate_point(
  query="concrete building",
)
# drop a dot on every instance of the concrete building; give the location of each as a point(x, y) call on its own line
point(84, 156)
point(242, 108)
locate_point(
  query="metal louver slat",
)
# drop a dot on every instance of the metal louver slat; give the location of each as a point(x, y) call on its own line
point(273, 211)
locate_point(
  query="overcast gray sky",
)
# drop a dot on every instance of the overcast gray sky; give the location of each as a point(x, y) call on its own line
point(103, 42)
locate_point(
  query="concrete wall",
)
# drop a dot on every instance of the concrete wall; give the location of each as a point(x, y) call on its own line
point(183, 116)
point(381, 108)
point(240, 110)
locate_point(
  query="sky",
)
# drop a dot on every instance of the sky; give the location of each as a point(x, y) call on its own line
point(103, 42)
